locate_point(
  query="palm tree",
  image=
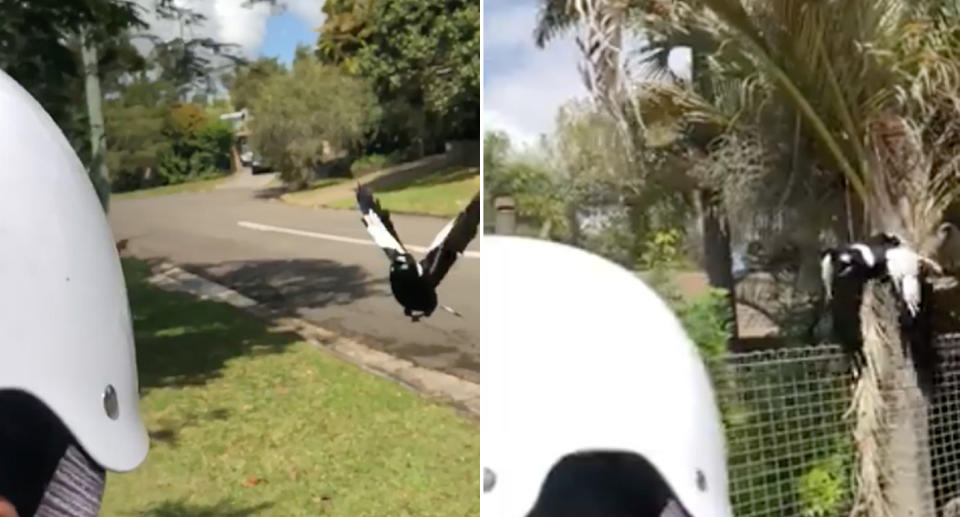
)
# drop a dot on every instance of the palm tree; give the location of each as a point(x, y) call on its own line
point(876, 88)
point(870, 90)
point(601, 25)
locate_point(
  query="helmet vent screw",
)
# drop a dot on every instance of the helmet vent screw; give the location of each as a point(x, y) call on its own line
point(110, 404)
point(489, 480)
point(701, 481)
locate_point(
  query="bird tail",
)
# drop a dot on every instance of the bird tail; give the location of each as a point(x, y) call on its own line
point(911, 294)
point(451, 311)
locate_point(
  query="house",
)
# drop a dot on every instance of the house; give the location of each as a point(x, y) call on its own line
point(239, 121)
point(242, 156)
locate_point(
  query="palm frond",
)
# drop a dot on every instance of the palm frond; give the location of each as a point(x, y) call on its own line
point(554, 18)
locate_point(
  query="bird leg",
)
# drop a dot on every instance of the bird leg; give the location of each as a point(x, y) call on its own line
point(932, 264)
point(451, 311)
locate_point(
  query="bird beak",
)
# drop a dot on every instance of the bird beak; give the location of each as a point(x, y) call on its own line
point(844, 271)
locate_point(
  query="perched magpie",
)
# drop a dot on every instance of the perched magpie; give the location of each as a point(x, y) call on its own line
point(861, 261)
point(414, 283)
point(845, 270)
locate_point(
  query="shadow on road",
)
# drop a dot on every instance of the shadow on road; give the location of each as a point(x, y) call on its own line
point(270, 192)
point(282, 285)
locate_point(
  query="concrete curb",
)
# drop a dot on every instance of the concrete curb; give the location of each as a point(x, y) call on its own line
point(463, 395)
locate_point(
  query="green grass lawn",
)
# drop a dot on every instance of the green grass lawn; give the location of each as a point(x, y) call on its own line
point(245, 421)
point(444, 193)
point(190, 186)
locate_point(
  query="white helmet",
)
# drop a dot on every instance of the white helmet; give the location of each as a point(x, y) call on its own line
point(582, 360)
point(64, 316)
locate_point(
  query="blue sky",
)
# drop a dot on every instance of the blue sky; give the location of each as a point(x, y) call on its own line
point(284, 31)
point(258, 30)
point(522, 85)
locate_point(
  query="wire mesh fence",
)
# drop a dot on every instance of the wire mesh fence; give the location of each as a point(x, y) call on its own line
point(791, 435)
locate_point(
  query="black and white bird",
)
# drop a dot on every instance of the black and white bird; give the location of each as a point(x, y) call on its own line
point(414, 283)
point(881, 255)
point(859, 261)
point(845, 271)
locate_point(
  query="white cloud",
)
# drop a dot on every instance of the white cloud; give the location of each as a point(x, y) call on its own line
point(308, 10)
point(523, 85)
point(245, 26)
point(493, 120)
point(229, 21)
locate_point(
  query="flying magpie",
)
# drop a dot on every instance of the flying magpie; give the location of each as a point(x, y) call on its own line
point(414, 283)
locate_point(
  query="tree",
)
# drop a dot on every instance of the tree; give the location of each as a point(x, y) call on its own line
point(427, 55)
point(346, 30)
point(601, 24)
point(300, 113)
point(245, 82)
point(540, 195)
point(135, 141)
point(62, 54)
point(41, 57)
point(872, 89)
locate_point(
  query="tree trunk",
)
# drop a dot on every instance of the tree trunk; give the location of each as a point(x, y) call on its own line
point(573, 221)
point(98, 141)
point(713, 224)
point(894, 463)
point(715, 231)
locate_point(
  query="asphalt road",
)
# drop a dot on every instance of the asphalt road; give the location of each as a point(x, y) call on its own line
point(314, 262)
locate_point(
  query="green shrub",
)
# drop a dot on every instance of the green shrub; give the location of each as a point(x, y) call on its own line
point(135, 140)
point(664, 249)
point(708, 322)
point(199, 147)
point(823, 489)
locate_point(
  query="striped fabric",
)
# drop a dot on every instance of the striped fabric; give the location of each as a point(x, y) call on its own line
point(75, 489)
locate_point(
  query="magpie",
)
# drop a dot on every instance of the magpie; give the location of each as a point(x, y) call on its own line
point(858, 261)
point(414, 283)
point(845, 271)
point(881, 255)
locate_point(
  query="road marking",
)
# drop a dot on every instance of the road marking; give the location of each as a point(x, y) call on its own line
point(337, 238)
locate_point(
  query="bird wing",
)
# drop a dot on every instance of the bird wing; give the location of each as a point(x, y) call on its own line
point(449, 244)
point(378, 224)
point(902, 262)
point(903, 266)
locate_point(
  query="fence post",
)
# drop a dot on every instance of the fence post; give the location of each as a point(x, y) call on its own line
point(506, 221)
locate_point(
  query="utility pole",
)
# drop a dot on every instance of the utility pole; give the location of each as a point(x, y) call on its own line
point(98, 140)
